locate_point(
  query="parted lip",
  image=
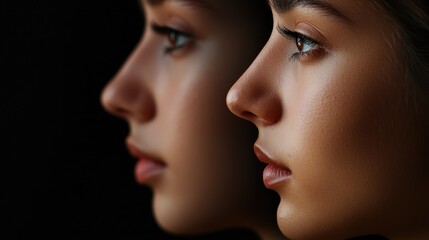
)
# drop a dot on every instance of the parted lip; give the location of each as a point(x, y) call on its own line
point(139, 154)
point(263, 157)
point(275, 172)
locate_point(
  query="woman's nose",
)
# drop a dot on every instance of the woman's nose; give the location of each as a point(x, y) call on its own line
point(128, 99)
point(128, 95)
point(254, 96)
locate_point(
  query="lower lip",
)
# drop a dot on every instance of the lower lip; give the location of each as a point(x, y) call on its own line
point(273, 176)
point(147, 170)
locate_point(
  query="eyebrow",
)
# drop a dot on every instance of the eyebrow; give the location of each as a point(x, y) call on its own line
point(192, 3)
point(283, 6)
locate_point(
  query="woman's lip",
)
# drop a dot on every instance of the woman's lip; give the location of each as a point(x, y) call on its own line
point(263, 157)
point(146, 170)
point(273, 173)
point(147, 167)
point(273, 176)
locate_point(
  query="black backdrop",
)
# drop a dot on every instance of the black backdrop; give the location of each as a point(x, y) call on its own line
point(64, 167)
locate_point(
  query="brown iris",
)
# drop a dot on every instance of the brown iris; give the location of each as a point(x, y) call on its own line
point(299, 43)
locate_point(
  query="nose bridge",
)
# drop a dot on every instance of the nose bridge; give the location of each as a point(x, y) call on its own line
point(128, 94)
point(254, 96)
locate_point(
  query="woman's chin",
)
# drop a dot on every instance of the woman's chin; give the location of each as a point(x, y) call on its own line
point(180, 220)
point(184, 227)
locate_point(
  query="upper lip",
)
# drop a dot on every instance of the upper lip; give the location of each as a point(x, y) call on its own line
point(139, 154)
point(263, 157)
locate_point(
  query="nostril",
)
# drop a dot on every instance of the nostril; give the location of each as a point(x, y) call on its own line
point(121, 112)
point(263, 120)
point(249, 116)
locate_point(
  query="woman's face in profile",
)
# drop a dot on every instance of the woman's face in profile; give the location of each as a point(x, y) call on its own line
point(193, 152)
point(337, 121)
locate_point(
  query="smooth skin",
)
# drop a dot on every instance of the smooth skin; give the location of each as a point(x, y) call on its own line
point(172, 92)
point(333, 106)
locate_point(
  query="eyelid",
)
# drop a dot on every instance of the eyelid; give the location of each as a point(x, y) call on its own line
point(173, 37)
point(165, 30)
point(312, 32)
point(293, 34)
point(303, 56)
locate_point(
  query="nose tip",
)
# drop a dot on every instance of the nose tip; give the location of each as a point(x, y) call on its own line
point(129, 101)
point(254, 104)
point(235, 105)
point(109, 104)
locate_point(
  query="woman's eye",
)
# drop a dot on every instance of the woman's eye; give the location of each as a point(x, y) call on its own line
point(175, 39)
point(305, 45)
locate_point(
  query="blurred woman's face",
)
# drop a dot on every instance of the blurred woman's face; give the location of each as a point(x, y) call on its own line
point(337, 123)
point(192, 151)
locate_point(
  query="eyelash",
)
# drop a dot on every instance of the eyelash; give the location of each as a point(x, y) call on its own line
point(304, 40)
point(172, 35)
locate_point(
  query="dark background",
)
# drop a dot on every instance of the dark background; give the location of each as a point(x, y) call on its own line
point(64, 167)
